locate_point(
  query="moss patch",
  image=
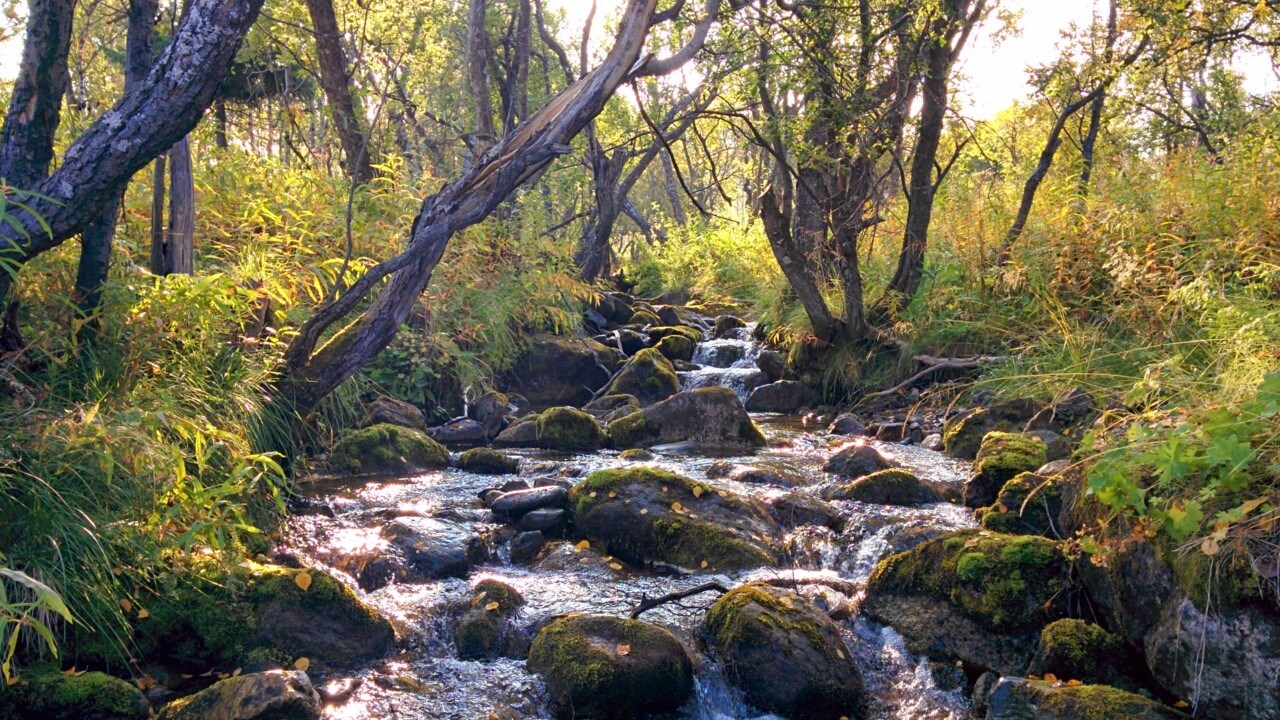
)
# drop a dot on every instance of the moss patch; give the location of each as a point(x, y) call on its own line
point(386, 448)
point(662, 332)
point(47, 694)
point(1012, 513)
point(644, 317)
point(632, 431)
point(1002, 457)
point(648, 376)
point(1076, 650)
point(1005, 583)
point(676, 347)
point(569, 430)
point(887, 487)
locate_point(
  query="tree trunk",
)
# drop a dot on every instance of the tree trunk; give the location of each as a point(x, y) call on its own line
point(335, 79)
point(148, 120)
point(220, 125)
point(313, 371)
point(775, 214)
point(98, 236)
point(478, 72)
point(26, 141)
point(673, 191)
point(159, 264)
point(1090, 141)
point(180, 243)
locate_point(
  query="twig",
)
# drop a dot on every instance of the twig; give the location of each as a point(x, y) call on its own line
point(934, 365)
point(649, 604)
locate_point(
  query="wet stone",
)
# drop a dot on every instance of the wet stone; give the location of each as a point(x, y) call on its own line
point(546, 520)
point(515, 504)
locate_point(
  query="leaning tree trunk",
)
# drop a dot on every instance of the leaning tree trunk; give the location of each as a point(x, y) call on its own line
point(1090, 142)
point(335, 80)
point(98, 236)
point(146, 121)
point(313, 370)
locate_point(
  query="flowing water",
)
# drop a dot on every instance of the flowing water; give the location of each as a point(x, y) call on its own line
point(430, 682)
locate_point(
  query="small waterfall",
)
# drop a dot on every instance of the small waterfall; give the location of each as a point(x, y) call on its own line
point(728, 362)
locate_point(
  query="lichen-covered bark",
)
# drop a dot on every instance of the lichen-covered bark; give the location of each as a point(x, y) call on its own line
point(147, 120)
point(26, 142)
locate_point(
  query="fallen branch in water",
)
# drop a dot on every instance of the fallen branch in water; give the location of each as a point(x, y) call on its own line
point(933, 365)
point(844, 587)
point(647, 604)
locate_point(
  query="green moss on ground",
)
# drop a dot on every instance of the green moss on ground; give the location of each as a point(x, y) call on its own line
point(569, 430)
point(48, 694)
point(1005, 583)
point(386, 448)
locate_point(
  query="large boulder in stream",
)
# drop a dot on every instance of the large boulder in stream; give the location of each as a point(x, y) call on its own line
point(569, 430)
point(1002, 457)
point(482, 628)
point(648, 376)
point(555, 370)
point(484, 461)
point(783, 396)
point(262, 613)
point(712, 418)
point(1022, 699)
point(676, 348)
point(421, 549)
point(274, 695)
point(786, 654)
point(887, 487)
point(386, 449)
point(856, 459)
point(644, 515)
point(974, 596)
point(610, 668)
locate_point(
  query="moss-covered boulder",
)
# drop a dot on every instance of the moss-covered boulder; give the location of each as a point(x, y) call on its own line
point(887, 487)
point(554, 370)
point(857, 459)
point(657, 334)
point(975, 596)
point(644, 317)
point(1072, 649)
point(386, 449)
point(727, 326)
point(569, 430)
point(785, 654)
point(713, 418)
point(962, 435)
point(609, 668)
point(611, 407)
point(636, 455)
point(648, 376)
point(644, 516)
point(676, 347)
point(274, 695)
point(481, 629)
point(1029, 504)
point(1002, 457)
point(484, 461)
point(1021, 699)
point(261, 613)
point(47, 694)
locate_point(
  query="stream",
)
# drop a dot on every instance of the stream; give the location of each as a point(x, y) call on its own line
point(429, 681)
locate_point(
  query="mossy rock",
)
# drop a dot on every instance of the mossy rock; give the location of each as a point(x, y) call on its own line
point(887, 487)
point(387, 449)
point(274, 695)
point(857, 459)
point(977, 596)
point(1020, 699)
point(47, 694)
point(657, 334)
point(644, 317)
point(648, 376)
point(481, 630)
point(785, 654)
point(610, 668)
point(636, 455)
point(611, 407)
point(266, 613)
point(569, 430)
point(713, 418)
point(676, 347)
point(645, 515)
point(553, 370)
point(1012, 513)
point(1073, 649)
point(484, 461)
point(1002, 457)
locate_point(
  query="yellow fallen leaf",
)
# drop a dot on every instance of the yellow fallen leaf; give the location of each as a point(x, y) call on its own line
point(1182, 704)
point(623, 649)
point(616, 566)
point(593, 494)
point(787, 601)
point(704, 563)
point(666, 489)
point(697, 491)
point(1050, 678)
point(1074, 683)
point(491, 606)
point(613, 494)
point(1210, 546)
point(125, 605)
point(302, 580)
point(722, 493)
point(479, 598)
point(583, 545)
point(302, 664)
point(644, 511)
point(236, 672)
point(677, 506)
point(143, 614)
